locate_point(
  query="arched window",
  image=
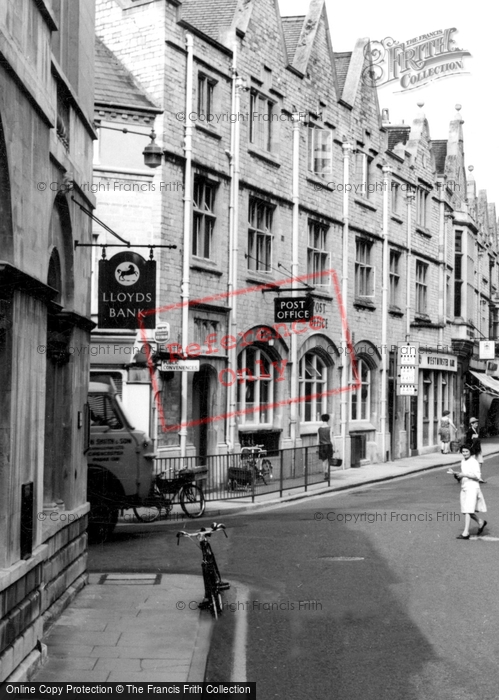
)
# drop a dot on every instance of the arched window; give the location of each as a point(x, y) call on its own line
point(255, 385)
point(360, 402)
point(313, 383)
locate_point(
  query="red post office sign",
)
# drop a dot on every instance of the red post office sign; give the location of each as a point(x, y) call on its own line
point(127, 286)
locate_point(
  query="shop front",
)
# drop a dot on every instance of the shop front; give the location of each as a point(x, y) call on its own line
point(437, 392)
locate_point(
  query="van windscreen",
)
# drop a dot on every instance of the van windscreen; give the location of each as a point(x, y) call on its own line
point(102, 412)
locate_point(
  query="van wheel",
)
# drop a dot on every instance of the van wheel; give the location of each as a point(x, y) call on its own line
point(102, 520)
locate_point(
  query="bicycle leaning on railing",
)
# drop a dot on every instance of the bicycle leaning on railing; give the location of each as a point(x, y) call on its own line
point(251, 469)
point(165, 492)
point(213, 584)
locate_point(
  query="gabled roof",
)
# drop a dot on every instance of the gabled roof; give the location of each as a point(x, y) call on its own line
point(115, 85)
point(342, 61)
point(439, 149)
point(397, 134)
point(291, 27)
point(212, 17)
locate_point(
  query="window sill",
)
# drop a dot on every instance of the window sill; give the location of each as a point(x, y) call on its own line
point(357, 426)
point(320, 182)
point(205, 266)
point(361, 303)
point(424, 321)
point(365, 203)
point(423, 231)
point(265, 156)
point(395, 311)
point(209, 131)
point(263, 278)
point(421, 318)
point(253, 427)
point(397, 218)
point(310, 428)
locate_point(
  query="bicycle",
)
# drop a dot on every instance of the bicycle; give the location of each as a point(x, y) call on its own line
point(252, 468)
point(213, 584)
point(165, 492)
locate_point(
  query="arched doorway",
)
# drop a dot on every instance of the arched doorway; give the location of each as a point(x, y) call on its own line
point(58, 395)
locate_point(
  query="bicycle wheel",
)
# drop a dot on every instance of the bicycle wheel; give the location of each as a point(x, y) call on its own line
point(155, 507)
point(267, 468)
point(192, 500)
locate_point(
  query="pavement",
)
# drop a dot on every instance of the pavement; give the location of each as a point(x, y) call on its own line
point(132, 627)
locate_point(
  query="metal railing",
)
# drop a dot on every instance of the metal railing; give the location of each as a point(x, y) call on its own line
point(234, 476)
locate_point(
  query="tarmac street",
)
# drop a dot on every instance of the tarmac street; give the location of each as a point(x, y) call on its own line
point(361, 593)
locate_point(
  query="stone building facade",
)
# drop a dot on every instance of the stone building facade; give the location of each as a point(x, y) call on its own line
point(46, 133)
point(288, 169)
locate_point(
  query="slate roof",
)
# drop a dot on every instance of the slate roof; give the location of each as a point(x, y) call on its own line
point(342, 62)
point(209, 16)
point(439, 149)
point(397, 135)
point(115, 85)
point(291, 27)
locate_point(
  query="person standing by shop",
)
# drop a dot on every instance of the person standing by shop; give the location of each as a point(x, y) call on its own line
point(325, 437)
point(444, 432)
point(473, 440)
point(472, 499)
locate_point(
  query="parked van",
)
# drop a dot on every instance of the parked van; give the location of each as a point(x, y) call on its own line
point(120, 461)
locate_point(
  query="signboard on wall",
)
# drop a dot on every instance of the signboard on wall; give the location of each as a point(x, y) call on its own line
point(487, 350)
point(127, 285)
point(407, 375)
point(289, 309)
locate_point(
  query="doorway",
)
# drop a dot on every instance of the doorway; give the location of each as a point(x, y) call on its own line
point(201, 411)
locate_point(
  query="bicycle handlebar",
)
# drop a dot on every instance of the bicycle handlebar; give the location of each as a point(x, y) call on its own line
point(203, 533)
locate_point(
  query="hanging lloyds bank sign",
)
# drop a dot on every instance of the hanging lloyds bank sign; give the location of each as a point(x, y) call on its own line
point(415, 62)
point(127, 285)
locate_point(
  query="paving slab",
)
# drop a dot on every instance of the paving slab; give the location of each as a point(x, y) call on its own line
point(125, 646)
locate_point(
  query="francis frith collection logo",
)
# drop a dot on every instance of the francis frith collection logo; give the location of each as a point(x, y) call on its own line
point(415, 62)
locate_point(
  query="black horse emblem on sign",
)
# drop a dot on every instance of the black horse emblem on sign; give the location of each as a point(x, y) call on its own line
point(127, 273)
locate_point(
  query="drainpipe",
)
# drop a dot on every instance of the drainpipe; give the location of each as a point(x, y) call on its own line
point(232, 279)
point(239, 85)
point(384, 312)
point(293, 407)
point(185, 294)
point(441, 269)
point(407, 401)
point(409, 200)
point(347, 150)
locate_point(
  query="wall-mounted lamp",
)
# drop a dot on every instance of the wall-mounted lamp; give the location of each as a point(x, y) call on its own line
point(152, 153)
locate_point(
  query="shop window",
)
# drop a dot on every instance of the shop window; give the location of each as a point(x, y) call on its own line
point(255, 386)
point(313, 386)
point(360, 400)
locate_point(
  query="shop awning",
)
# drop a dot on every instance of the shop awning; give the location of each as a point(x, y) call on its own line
point(489, 385)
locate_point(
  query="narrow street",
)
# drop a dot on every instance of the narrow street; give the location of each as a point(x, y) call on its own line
point(366, 593)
